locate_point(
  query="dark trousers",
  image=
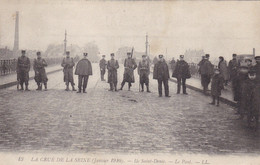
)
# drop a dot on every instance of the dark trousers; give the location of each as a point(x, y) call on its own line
point(113, 86)
point(24, 78)
point(85, 82)
point(166, 87)
point(123, 83)
point(205, 80)
point(181, 81)
point(214, 99)
point(102, 73)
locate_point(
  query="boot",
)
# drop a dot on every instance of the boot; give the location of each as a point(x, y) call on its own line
point(79, 91)
point(73, 88)
point(147, 89)
point(84, 90)
point(38, 87)
point(116, 88)
point(142, 86)
point(213, 101)
point(111, 87)
point(45, 86)
point(21, 87)
point(26, 88)
point(67, 88)
point(129, 86)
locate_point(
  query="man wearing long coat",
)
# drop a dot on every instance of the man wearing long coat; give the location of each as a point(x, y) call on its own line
point(39, 65)
point(222, 66)
point(181, 72)
point(161, 74)
point(83, 70)
point(130, 65)
point(144, 71)
point(102, 66)
point(23, 68)
point(112, 66)
point(233, 69)
point(68, 64)
point(206, 71)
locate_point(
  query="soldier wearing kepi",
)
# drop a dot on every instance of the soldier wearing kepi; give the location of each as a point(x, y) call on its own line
point(83, 70)
point(23, 66)
point(39, 65)
point(161, 74)
point(144, 71)
point(68, 64)
point(181, 72)
point(102, 66)
point(112, 66)
point(130, 66)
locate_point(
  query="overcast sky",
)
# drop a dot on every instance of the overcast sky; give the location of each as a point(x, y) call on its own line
point(220, 28)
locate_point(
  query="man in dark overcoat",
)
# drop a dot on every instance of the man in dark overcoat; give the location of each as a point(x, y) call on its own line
point(181, 72)
point(161, 74)
point(233, 67)
point(68, 64)
point(23, 68)
point(83, 70)
point(102, 66)
point(39, 65)
point(206, 71)
point(143, 72)
point(112, 66)
point(130, 66)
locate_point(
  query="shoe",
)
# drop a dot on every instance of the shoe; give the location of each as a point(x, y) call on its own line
point(84, 92)
point(212, 103)
point(110, 90)
point(160, 95)
point(148, 91)
point(79, 91)
point(142, 90)
point(185, 93)
point(168, 96)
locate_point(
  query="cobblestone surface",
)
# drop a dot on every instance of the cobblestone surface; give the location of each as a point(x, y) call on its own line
point(119, 122)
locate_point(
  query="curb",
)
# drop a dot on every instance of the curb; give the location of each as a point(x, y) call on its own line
point(13, 83)
point(222, 99)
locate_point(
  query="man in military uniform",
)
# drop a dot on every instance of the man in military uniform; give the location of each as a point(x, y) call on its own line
point(181, 72)
point(83, 70)
point(23, 68)
point(68, 64)
point(102, 66)
point(130, 66)
point(206, 71)
point(144, 71)
point(161, 74)
point(112, 66)
point(39, 65)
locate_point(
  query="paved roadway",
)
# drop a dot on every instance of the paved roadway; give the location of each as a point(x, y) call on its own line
point(118, 122)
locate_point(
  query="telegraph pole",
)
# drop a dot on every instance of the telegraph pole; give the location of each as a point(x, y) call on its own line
point(65, 42)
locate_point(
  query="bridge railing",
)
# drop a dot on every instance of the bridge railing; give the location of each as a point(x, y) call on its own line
point(9, 66)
